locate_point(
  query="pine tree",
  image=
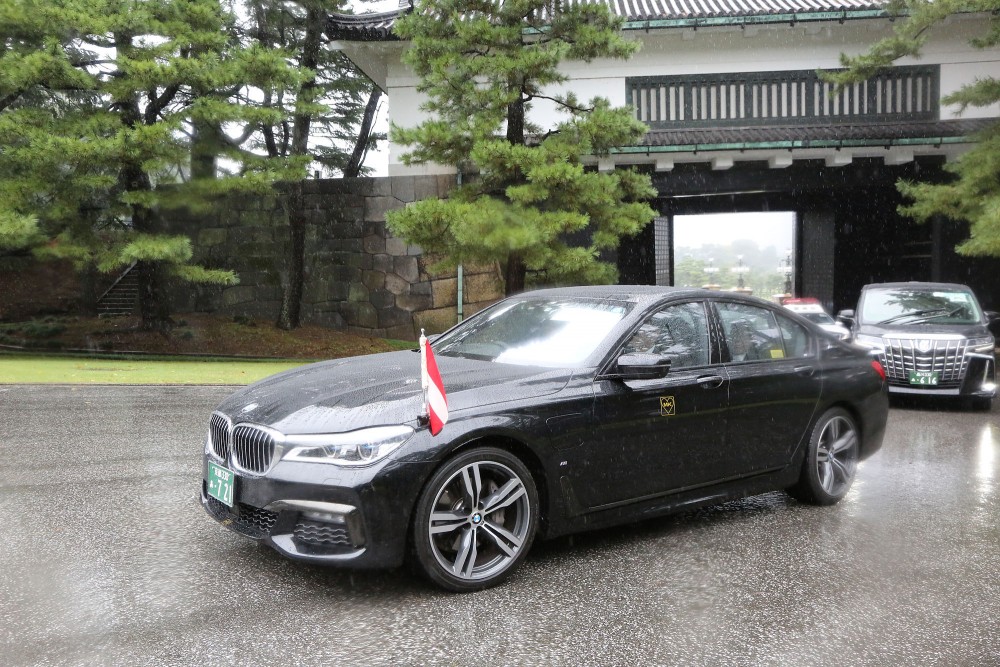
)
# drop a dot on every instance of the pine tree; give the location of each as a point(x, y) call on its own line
point(97, 99)
point(483, 65)
point(973, 195)
point(325, 119)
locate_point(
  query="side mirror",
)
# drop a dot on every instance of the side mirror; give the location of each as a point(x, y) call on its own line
point(643, 366)
point(993, 322)
point(846, 316)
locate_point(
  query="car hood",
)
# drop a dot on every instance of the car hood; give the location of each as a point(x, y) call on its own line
point(918, 330)
point(347, 394)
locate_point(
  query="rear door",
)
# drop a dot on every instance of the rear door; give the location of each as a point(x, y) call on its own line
point(774, 385)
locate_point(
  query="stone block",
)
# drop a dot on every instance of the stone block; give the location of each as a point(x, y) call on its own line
point(413, 302)
point(394, 283)
point(360, 315)
point(372, 186)
point(256, 218)
point(239, 294)
point(402, 188)
point(393, 317)
point(425, 187)
point(402, 332)
point(381, 298)
point(445, 184)
point(375, 207)
point(357, 293)
point(406, 268)
point(375, 227)
point(346, 274)
point(373, 279)
point(435, 321)
point(382, 262)
point(482, 287)
point(347, 229)
point(444, 292)
point(422, 288)
point(395, 246)
point(373, 244)
point(211, 236)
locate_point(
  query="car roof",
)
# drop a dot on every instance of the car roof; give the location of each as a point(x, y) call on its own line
point(916, 284)
point(639, 294)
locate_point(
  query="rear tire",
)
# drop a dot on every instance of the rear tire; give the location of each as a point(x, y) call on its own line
point(475, 520)
point(831, 460)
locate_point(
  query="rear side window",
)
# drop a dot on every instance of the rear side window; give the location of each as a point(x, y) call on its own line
point(798, 342)
point(752, 333)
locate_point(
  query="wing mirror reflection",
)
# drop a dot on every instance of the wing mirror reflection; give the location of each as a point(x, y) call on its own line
point(846, 316)
point(638, 366)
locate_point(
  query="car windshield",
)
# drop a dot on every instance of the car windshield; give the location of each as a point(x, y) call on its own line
point(553, 332)
point(903, 305)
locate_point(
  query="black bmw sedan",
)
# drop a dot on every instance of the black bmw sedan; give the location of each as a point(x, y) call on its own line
point(568, 410)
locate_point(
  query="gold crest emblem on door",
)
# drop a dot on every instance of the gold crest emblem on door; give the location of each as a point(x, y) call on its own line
point(667, 406)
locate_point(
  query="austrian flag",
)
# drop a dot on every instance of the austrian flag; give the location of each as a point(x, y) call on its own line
point(435, 401)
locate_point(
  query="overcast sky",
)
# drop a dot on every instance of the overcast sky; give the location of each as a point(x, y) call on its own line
point(768, 229)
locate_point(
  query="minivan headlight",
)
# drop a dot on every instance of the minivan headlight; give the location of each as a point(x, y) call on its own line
point(984, 345)
point(354, 448)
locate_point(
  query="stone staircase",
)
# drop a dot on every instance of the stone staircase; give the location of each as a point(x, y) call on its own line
point(122, 297)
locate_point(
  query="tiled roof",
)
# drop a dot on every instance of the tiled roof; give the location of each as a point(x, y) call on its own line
point(806, 136)
point(637, 13)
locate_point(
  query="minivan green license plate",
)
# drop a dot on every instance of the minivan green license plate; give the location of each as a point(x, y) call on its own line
point(926, 378)
point(220, 483)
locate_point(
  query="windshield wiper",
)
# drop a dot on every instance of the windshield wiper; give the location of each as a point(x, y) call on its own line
point(916, 313)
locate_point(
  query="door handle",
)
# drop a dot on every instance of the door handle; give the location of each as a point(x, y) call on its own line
point(710, 381)
point(805, 371)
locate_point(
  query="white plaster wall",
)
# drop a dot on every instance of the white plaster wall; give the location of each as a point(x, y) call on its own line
point(726, 49)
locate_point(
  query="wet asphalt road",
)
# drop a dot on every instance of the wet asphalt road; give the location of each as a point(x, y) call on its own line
point(107, 559)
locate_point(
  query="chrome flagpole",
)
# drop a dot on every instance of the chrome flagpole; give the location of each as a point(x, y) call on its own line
point(424, 378)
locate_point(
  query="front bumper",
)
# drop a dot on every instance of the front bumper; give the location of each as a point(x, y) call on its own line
point(323, 514)
point(978, 381)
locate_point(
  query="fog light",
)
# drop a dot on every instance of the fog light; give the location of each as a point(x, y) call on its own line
point(326, 517)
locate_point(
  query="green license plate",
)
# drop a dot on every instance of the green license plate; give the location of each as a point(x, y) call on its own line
point(220, 483)
point(927, 378)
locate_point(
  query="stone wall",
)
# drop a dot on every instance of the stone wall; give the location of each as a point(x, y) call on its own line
point(359, 277)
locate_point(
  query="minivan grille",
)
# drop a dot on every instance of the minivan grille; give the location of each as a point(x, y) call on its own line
point(945, 357)
point(218, 428)
point(252, 448)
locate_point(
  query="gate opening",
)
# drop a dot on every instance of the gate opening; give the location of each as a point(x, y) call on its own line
point(744, 252)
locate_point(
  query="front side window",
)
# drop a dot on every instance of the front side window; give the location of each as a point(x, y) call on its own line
point(751, 332)
point(904, 305)
point(678, 332)
point(552, 332)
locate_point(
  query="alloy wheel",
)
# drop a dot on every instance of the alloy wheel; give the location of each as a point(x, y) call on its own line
point(479, 521)
point(837, 455)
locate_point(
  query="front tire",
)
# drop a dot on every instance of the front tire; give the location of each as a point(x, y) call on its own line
point(831, 460)
point(475, 520)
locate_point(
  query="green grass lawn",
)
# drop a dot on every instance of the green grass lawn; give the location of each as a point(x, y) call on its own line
point(32, 369)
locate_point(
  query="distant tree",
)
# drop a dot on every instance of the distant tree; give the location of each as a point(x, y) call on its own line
point(974, 194)
point(482, 66)
point(325, 119)
point(97, 101)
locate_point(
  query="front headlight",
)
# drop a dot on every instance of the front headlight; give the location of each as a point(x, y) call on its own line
point(873, 342)
point(984, 345)
point(355, 448)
